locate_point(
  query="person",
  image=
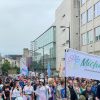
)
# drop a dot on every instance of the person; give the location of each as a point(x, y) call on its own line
point(1, 98)
point(41, 91)
point(77, 88)
point(98, 92)
point(28, 91)
point(51, 91)
point(1, 85)
point(62, 91)
point(89, 95)
point(16, 91)
point(72, 91)
point(21, 82)
point(36, 87)
point(6, 91)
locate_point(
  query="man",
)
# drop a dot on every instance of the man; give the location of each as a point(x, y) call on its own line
point(61, 91)
point(72, 91)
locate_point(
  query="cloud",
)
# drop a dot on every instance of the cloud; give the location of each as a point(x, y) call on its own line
point(21, 21)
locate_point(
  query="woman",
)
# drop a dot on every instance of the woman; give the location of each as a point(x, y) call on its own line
point(28, 91)
point(51, 89)
point(41, 91)
point(16, 91)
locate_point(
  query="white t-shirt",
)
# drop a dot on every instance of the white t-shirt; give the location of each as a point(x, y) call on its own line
point(16, 92)
point(28, 89)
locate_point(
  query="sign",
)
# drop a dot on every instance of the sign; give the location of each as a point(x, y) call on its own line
point(83, 65)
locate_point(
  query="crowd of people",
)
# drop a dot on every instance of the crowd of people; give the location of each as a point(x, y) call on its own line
point(34, 88)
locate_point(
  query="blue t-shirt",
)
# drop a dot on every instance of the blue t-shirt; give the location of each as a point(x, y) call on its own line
point(21, 83)
point(63, 93)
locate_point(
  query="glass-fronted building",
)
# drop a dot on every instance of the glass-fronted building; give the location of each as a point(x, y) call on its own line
point(44, 50)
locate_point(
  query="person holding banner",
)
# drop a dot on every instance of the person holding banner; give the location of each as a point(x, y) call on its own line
point(72, 91)
point(60, 91)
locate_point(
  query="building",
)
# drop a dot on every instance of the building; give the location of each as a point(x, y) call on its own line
point(90, 26)
point(13, 59)
point(44, 49)
point(67, 28)
point(27, 57)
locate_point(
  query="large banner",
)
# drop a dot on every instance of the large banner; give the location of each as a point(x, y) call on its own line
point(83, 65)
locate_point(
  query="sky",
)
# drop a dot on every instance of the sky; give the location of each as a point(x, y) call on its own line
point(21, 21)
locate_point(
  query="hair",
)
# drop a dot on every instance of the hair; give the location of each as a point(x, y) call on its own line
point(62, 81)
point(82, 97)
point(14, 85)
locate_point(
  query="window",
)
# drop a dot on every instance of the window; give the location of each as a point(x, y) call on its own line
point(97, 33)
point(90, 36)
point(97, 9)
point(83, 18)
point(83, 2)
point(90, 14)
point(84, 39)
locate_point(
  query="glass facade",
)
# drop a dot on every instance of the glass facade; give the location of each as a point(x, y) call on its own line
point(44, 49)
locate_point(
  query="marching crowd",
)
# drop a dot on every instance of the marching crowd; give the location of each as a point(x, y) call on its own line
point(33, 88)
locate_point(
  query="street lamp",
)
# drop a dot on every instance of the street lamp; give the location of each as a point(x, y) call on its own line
point(65, 51)
point(69, 32)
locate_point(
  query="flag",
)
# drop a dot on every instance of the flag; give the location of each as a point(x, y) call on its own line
point(23, 68)
point(49, 70)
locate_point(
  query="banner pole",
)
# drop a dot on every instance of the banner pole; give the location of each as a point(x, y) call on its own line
point(65, 80)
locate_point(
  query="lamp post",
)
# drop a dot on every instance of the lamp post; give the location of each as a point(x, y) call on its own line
point(65, 52)
point(69, 32)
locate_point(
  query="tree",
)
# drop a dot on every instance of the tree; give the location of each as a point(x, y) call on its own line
point(5, 67)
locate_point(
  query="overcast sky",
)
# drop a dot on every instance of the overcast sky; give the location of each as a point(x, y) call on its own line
point(21, 21)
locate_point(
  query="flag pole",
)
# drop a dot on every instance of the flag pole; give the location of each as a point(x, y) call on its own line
point(65, 79)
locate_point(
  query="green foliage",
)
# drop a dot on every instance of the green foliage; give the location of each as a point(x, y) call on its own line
point(5, 67)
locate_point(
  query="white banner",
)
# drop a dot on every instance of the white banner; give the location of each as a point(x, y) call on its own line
point(83, 65)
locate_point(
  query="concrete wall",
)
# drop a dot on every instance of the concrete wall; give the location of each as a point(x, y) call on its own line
point(66, 15)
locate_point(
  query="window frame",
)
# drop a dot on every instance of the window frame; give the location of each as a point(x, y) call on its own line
point(82, 39)
point(88, 37)
point(95, 34)
point(82, 17)
point(94, 9)
point(92, 13)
